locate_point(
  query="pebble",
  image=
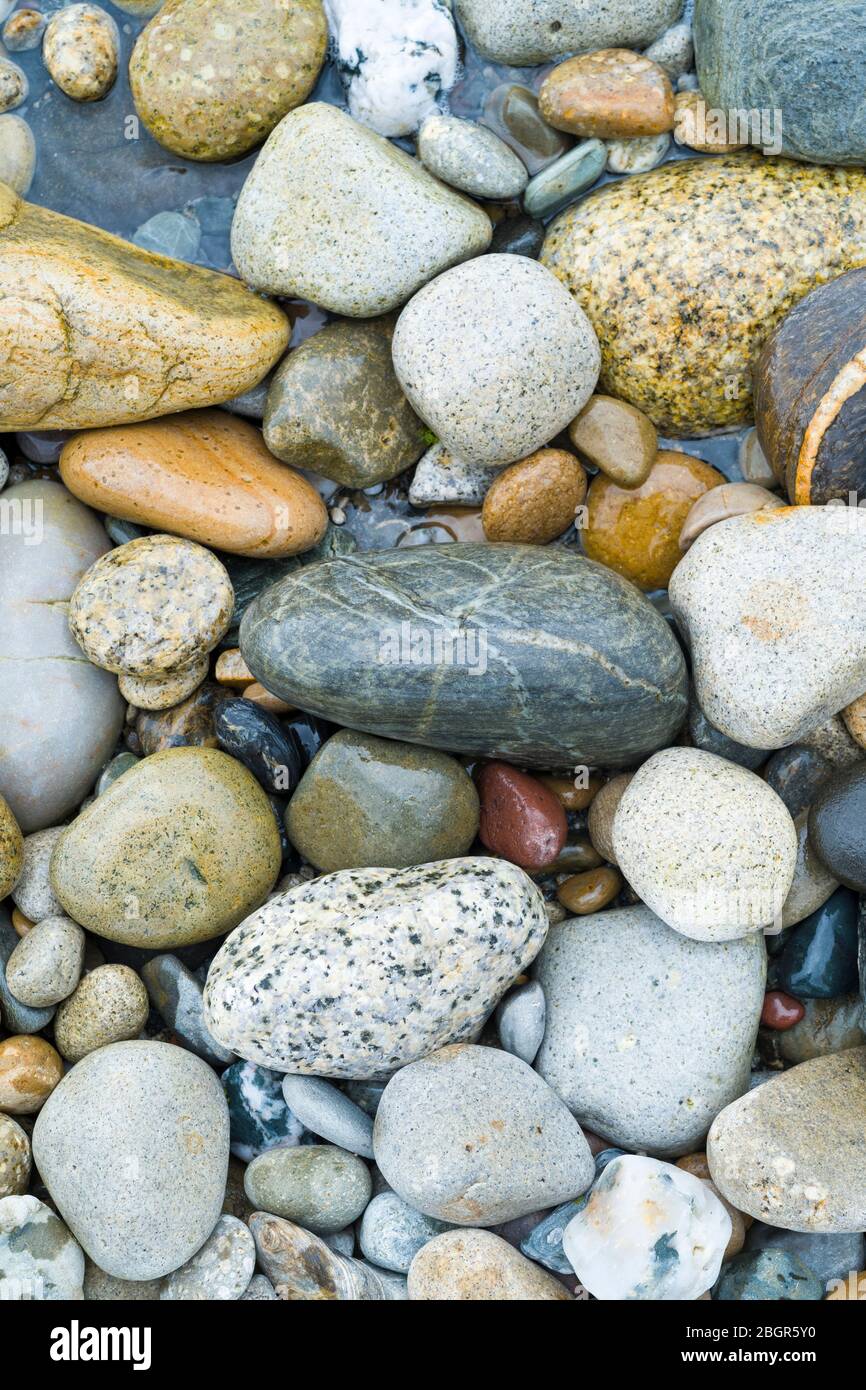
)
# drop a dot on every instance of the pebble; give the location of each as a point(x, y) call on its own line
point(39, 1259)
point(535, 500)
point(609, 93)
point(259, 1290)
point(207, 852)
point(812, 884)
point(17, 154)
point(637, 155)
point(701, 127)
point(827, 1026)
point(673, 50)
point(234, 82)
point(326, 1111)
point(854, 716)
point(140, 1185)
point(524, 32)
point(780, 1011)
point(636, 530)
point(15, 1161)
point(766, 1275)
point(617, 439)
point(648, 1231)
point(520, 1020)
point(732, 499)
point(589, 892)
point(478, 1266)
point(316, 1185)
point(163, 692)
point(14, 85)
point(219, 1272)
point(836, 826)
point(518, 236)
point(258, 740)
point(260, 1118)
point(303, 1269)
point(79, 50)
point(458, 932)
point(498, 329)
point(46, 964)
point(109, 1005)
point(522, 820)
point(829, 1257)
point(11, 850)
point(819, 959)
point(602, 814)
point(560, 183)
point(232, 670)
point(321, 178)
point(189, 724)
point(391, 1232)
point(16, 1017)
point(796, 774)
point(335, 406)
point(22, 31)
point(29, 1071)
point(706, 844)
point(442, 477)
point(175, 234)
point(177, 995)
point(511, 111)
point(470, 157)
point(753, 462)
point(801, 1177)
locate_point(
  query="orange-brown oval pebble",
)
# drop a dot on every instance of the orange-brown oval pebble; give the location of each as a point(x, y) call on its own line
point(610, 93)
point(202, 474)
point(572, 796)
point(636, 531)
point(21, 923)
point(262, 697)
point(29, 1070)
point(589, 892)
point(534, 501)
point(617, 438)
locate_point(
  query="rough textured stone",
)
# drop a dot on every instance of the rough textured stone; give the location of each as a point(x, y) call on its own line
point(109, 1005)
point(524, 32)
point(39, 1260)
point(11, 849)
point(30, 1069)
point(17, 154)
point(391, 1232)
point(80, 51)
point(46, 964)
point(15, 1160)
point(317, 1184)
point(520, 1021)
point(219, 1272)
point(477, 1266)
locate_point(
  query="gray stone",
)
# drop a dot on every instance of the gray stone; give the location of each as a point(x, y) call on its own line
point(320, 1187)
point(358, 973)
point(60, 715)
point(470, 157)
point(561, 182)
point(392, 1232)
point(219, 1272)
point(330, 1114)
point(141, 1184)
point(33, 894)
point(100, 1287)
point(303, 1269)
point(39, 1259)
point(524, 32)
point(649, 1034)
point(442, 477)
point(176, 993)
point(16, 1017)
point(496, 356)
point(334, 213)
point(673, 50)
point(812, 883)
point(520, 1018)
point(829, 1257)
point(828, 1025)
point(474, 1136)
point(46, 964)
point(260, 1290)
point(174, 234)
point(343, 1242)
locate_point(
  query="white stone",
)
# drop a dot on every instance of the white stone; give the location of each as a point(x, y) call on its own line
point(673, 50)
point(442, 477)
point(638, 155)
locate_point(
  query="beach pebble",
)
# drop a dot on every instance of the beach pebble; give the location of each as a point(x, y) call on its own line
point(819, 958)
point(79, 50)
point(797, 773)
point(535, 500)
point(732, 499)
point(780, 1011)
point(511, 111)
point(520, 1019)
point(391, 1232)
point(259, 1116)
point(637, 155)
point(470, 157)
point(827, 1026)
point(14, 86)
point(701, 128)
point(318, 1186)
point(836, 826)
point(109, 1005)
point(522, 820)
point(177, 994)
point(812, 884)
point(16, 1017)
point(259, 1290)
point(39, 1259)
point(326, 1111)
point(30, 1069)
point(478, 1266)
point(617, 439)
point(589, 891)
point(22, 31)
point(17, 153)
point(602, 814)
point(827, 1256)
point(560, 183)
point(673, 50)
point(163, 692)
point(524, 32)
point(703, 735)
point(442, 477)
point(765, 1275)
point(609, 93)
point(303, 1269)
point(46, 964)
point(219, 1272)
point(11, 850)
point(15, 1160)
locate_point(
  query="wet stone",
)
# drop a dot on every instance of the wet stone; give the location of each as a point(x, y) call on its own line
point(260, 1118)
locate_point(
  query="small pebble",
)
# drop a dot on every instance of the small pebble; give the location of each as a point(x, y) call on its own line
point(590, 891)
point(14, 87)
point(22, 31)
point(732, 499)
point(520, 1019)
point(637, 155)
point(163, 692)
point(219, 1272)
point(391, 1233)
point(470, 157)
point(610, 93)
point(477, 1266)
point(260, 1119)
point(17, 159)
point(15, 1160)
point(110, 1005)
point(699, 126)
point(80, 51)
point(781, 1011)
point(39, 1259)
point(317, 1185)
point(177, 994)
point(329, 1113)
point(303, 1269)
point(561, 182)
point(602, 812)
point(29, 1071)
point(46, 964)
point(174, 234)
point(33, 893)
point(534, 501)
point(765, 1275)
point(521, 819)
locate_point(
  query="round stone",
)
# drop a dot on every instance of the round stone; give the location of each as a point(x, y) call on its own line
point(17, 153)
point(15, 1163)
point(39, 1259)
point(837, 826)
point(29, 1071)
point(534, 500)
point(46, 964)
point(812, 884)
point(478, 1266)
point(109, 1005)
point(324, 1110)
point(14, 86)
point(391, 1233)
point(220, 1271)
point(617, 439)
point(611, 92)
point(520, 1020)
point(320, 1187)
point(22, 31)
point(637, 155)
point(80, 51)
point(470, 157)
point(33, 894)
point(590, 891)
point(521, 819)
point(699, 127)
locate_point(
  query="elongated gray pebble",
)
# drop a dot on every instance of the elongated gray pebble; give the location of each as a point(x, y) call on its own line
point(326, 1111)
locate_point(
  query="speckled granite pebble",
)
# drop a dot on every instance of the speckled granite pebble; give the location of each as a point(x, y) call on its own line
point(100, 1287)
point(473, 1136)
point(363, 971)
point(46, 964)
point(259, 1116)
point(524, 32)
point(177, 993)
point(495, 357)
point(219, 1272)
point(478, 1266)
point(163, 692)
point(39, 1259)
point(649, 1055)
point(15, 1162)
point(470, 157)
point(79, 50)
point(520, 1019)
point(109, 1005)
point(318, 1186)
point(442, 477)
point(328, 1112)
point(391, 1232)
point(33, 894)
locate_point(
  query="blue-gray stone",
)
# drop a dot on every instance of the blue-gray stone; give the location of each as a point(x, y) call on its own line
point(391, 1232)
point(561, 182)
point(259, 1117)
point(343, 1242)
point(176, 994)
point(520, 1018)
point(16, 1017)
point(172, 234)
point(829, 1256)
point(119, 764)
point(762, 1275)
point(326, 1111)
point(366, 1094)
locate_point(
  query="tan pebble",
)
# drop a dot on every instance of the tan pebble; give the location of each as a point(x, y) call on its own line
point(80, 51)
point(29, 1070)
point(572, 796)
point(15, 1161)
point(589, 892)
point(17, 153)
point(11, 849)
point(701, 127)
point(21, 923)
point(232, 670)
point(721, 503)
point(471, 1266)
point(696, 1164)
point(265, 700)
point(14, 87)
point(602, 812)
point(753, 462)
point(534, 501)
point(616, 438)
point(109, 1005)
point(854, 716)
point(612, 92)
point(163, 692)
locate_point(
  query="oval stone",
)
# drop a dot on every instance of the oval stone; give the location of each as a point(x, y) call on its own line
point(479, 1267)
point(574, 664)
point(523, 32)
point(360, 972)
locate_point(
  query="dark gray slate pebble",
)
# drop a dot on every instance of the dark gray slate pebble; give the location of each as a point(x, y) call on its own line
point(258, 740)
point(176, 993)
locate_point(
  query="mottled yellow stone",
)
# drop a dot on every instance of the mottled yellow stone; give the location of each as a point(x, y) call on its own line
point(11, 849)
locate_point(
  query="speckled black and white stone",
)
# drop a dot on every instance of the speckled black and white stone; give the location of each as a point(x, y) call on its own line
point(397, 59)
point(220, 1271)
point(474, 1136)
point(151, 607)
point(647, 1055)
point(706, 844)
point(334, 213)
point(470, 157)
point(442, 477)
point(361, 972)
point(524, 32)
point(46, 964)
point(772, 604)
point(39, 1259)
point(496, 357)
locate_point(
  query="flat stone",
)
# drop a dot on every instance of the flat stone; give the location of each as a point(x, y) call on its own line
point(647, 1054)
point(219, 1272)
point(333, 213)
point(39, 1259)
point(177, 993)
point(524, 32)
point(616, 438)
point(611, 92)
point(442, 477)
point(259, 741)
point(470, 157)
point(520, 1019)
point(560, 183)
point(109, 1005)
point(457, 933)
point(142, 1183)
point(15, 1161)
point(477, 1266)
point(473, 1136)
point(317, 1184)
point(328, 1112)
point(391, 1232)
point(46, 964)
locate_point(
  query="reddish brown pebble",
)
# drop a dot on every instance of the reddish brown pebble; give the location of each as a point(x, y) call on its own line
point(265, 700)
point(780, 1011)
point(590, 892)
point(521, 819)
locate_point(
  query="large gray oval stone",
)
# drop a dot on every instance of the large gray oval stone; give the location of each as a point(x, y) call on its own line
point(539, 656)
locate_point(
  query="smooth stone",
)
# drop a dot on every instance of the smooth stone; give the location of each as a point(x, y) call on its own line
point(119, 764)
point(335, 406)
point(478, 1266)
point(252, 577)
point(391, 1232)
point(470, 157)
point(175, 234)
point(16, 1017)
point(812, 885)
point(753, 462)
point(454, 935)
point(317, 1184)
point(366, 1095)
point(617, 439)
point(732, 499)
point(163, 692)
point(613, 1047)
point(797, 774)
point(151, 607)
point(141, 1184)
point(109, 1005)
point(589, 892)
point(636, 530)
point(17, 154)
point(371, 801)
point(30, 1069)
point(258, 740)
point(224, 337)
point(828, 1257)
point(766, 1275)
point(673, 50)
point(177, 995)
point(578, 854)
point(80, 51)
point(15, 1162)
point(702, 128)
point(522, 820)
point(303, 1269)
point(707, 845)
point(611, 92)
point(511, 112)
point(543, 1243)
point(46, 964)
point(518, 236)
point(520, 1020)
point(260, 1119)
point(259, 1290)
point(207, 851)
point(781, 1011)
point(637, 155)
point(703, 735)
point(525, 32)
point(578, 667)
point(333, 213)
point(442, 477)
point(22, 31)
point(534, 501)
point(558, 184)
point(635, 251)
point(602, 814)
point(205, 475)
point(473, 1136)
point(327, 1112)
point(11, 850)
point(189, 724)
point(827, 1026)
point(210, 83)
point(771, 606)
point(56, 740)
point(836, 826)
point(14, 85)
point(219, 1272)
point(495, 357)
point(808, 1178)
point(819, 960)
point(648, 1231)
point(39, 1259)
